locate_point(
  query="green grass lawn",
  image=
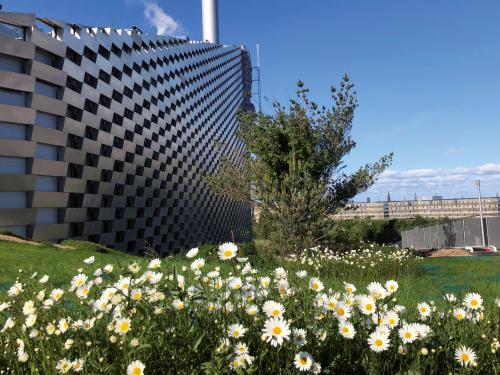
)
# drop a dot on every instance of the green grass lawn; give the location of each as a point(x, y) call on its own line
point(436, 277)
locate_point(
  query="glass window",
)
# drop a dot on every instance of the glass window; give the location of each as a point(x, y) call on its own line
point(12, 131)
point(12, 97)
point(11, 64)
point(11, 31)
point(47, 120)
point(12, 199)
point(47, 152)
point(46, 183)
point(47, 216)
point(12, 165)
point(46, 89)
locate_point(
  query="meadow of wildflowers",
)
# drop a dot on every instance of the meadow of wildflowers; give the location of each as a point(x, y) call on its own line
point(214, 312)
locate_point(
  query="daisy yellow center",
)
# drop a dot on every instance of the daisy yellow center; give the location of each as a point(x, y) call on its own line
point(137, 295)
point(58, 295)
point(124, 326)
point(79, 283)
point(65, 325)
point(407, 335)
point(474, 302)
point(349, 290)
point(465, 357)
point(236, 333)
point(276, 312)
point(378, 342)
point(392, 287)
point(369, 306)
point(235, 363)
point(345, 330)
point(340, 311)
point(77, 365)
point(137, 371)
point(460, 316)
point(66, 366)
point(331, 305)
point(125, 286)
point(423, 309)
point(315, 285)
point(277, 330)
point(303, 361)
point(392, 322)
point(228, 253)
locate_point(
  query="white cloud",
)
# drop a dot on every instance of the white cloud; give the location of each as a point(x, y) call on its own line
point(156, 16)
point(450, 183)
point(455, 150)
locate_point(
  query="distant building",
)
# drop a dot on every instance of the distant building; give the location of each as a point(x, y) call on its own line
point(436, 207)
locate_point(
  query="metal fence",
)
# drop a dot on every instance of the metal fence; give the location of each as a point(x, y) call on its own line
point(458, 233)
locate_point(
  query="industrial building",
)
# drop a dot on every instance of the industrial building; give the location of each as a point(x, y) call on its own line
point(106, 134)
point(437, 207)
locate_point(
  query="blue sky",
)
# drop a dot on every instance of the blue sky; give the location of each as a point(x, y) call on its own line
point(427, 73)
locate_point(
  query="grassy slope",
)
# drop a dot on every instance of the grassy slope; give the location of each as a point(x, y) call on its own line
point(60, 264)
point(440, 275)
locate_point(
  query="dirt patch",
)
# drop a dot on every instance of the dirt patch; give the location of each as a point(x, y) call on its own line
point(450, 253)
point(65, 247)
point(4, 237)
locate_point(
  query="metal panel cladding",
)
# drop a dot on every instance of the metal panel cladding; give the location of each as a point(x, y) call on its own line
point(105, 135)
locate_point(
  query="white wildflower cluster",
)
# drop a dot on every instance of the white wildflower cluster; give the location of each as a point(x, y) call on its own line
point(226, 310)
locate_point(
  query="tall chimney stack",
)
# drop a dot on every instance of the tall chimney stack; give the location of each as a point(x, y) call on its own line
point(210, 10)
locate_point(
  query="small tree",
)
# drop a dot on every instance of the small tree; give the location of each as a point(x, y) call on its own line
point(294, 170)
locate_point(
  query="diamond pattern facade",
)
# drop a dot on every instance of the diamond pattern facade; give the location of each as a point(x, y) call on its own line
point(106, 134)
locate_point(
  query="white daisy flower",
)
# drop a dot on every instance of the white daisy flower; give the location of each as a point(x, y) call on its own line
point(272, 308)
point(303, 361)
point(276, 330)
point(63, 366)
point(459, 314)
point(178, 304)
point(316, 284)
point(192, 253)
point(135, 368)
point(240, 348)
point(227, 251)
point(347, 330)
point(465, 356)
point(378, 341)
point(424, 309)
point(408, 333)
point(367, 305)
point(197, 264)
point(89, 260)
point(236, 331)
point(154, 263)
point(473, 301)
point(122, 326)
point(391, 286)
point(299, 336)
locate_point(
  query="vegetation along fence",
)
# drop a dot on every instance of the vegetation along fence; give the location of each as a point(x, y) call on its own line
point(458, 233)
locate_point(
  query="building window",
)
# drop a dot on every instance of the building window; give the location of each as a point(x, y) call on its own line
point(46, 89)
point(12, 131)
point(47, 120)
point(46, 184)
point(47, 216)
point(12, 31)
point(47, 152)
point(12, 165)
point(11, 64)
point(11, 97)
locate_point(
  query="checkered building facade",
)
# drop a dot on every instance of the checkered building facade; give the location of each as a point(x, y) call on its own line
point(105, 135)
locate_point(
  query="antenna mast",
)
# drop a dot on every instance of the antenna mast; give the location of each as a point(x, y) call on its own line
point(256, 68)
